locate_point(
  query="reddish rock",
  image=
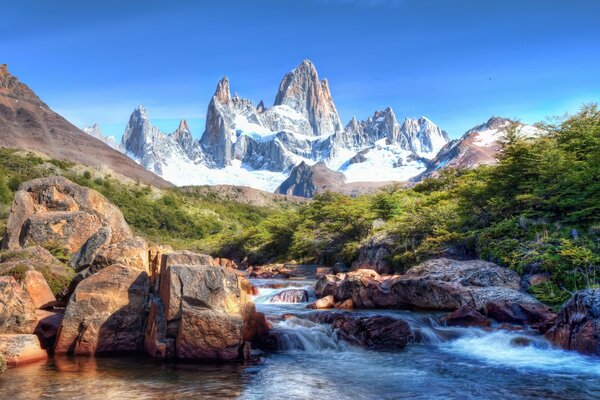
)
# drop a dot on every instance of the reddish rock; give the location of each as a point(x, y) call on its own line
point(347, 304)
point(323, 303)
point(69, 229)
point(156, 344)
point(246, 286)
point(577, 325)
point(322, 271)
point(48, 326)
point(106, 313)
point(131, 252)
point(21, 349)
point(465, 316)
point(376, 333)
point(205, 310)
point(440, 284)
point(290, 296)
point(17, 311)
point(35, 284)
point(375, 255)
point(57, 210)
point(256, 326)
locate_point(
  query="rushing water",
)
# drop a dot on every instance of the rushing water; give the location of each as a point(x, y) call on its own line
point(449, 363)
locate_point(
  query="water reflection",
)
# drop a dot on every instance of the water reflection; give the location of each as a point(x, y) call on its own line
point(64, 377)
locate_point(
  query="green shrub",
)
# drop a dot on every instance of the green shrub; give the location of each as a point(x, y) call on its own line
point(550, 294)
point(59, 284)
point(60, 252)
point(18, 272)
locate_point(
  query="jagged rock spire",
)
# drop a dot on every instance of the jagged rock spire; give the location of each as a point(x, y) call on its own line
point(302, 91)
point(222, 93)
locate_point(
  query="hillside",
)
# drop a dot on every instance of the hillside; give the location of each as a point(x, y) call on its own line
point(188, 218)
point(26, 122)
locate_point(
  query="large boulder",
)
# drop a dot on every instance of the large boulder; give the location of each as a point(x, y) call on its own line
point(58, 211)
point(577, 325)
point(132, 252)
point(17, 311)
point(374, 332)
point(203, 311)
point(441, 284)
point(106, 313)
point(290, 296)
point(35, 284)
point(375, 254)
point(21, 349)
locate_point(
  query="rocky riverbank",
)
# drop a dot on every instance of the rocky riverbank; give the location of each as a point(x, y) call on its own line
point(117, 295)
point(111, 293)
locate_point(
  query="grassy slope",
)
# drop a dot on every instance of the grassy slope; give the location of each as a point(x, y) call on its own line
point(183, 218)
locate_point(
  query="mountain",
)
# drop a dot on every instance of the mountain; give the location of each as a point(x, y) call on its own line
point(26, 122)
point(260, 146)
point(301, 90)
point(96, 132)
point(478, 146)
point(307, 180)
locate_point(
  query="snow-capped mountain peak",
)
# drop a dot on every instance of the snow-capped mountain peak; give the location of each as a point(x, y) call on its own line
point(96, 132)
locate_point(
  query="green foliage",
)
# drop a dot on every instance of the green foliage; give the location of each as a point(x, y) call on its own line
point(550, 293)
point(183, 218)
point(536, 211)
point(18, 272)
point(59, 284)
point(60, 252)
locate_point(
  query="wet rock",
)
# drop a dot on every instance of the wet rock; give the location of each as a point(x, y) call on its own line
point(17, 311)
point(106, 313)
point(35, 284)
point(323, 303)
point(326, 285)
point(290, 296)
point(440, 284)
point(246, 286)
point(340, 267)
point(21, 349)
point(256, 327)
point(465, 316)
point(345, 305)
point(271, 271)
point(48, 326)
point(577, 325)
point(322, 271)
point(521, 341)
point(375, 333)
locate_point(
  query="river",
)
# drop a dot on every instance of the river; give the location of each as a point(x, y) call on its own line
point(449, 363)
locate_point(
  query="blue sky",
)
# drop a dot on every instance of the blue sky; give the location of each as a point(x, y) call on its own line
point(456, 62)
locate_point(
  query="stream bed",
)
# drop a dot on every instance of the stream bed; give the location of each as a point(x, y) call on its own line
point(449, 363)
